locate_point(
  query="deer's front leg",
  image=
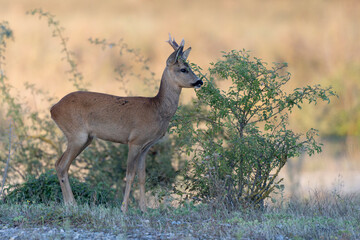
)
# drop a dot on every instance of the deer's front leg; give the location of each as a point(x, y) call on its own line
point(132, 164)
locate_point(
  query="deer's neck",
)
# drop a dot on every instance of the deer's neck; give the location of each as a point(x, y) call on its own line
point(167, 99)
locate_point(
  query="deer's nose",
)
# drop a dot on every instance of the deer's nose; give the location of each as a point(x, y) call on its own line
point(198, 83)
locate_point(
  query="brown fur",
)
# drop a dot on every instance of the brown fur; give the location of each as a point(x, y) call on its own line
point(137, 121)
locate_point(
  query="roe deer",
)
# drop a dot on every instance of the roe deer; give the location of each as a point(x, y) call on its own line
point(137, 121)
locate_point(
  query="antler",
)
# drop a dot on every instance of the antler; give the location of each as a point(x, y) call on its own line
point(174, 44)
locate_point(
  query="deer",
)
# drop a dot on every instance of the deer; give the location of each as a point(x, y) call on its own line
point(138, 122)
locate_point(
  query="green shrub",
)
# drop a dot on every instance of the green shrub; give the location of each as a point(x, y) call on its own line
point(46, 189)
point(239, 137)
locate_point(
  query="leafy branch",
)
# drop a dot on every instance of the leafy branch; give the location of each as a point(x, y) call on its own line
point(144, 73)
point(76, 76)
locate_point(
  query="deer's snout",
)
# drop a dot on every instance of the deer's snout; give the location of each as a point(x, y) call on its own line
point(198, 83)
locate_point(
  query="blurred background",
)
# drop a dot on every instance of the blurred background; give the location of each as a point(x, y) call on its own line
point(318, 39)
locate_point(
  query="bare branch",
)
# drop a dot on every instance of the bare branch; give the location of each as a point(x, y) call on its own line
point(7, 162)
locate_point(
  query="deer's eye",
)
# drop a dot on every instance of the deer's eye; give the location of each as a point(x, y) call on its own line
point(184, 70)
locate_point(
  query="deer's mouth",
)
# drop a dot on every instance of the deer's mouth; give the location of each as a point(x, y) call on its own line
point(198, 84)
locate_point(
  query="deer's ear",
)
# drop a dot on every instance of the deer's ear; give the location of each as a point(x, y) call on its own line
point(186, 53)
point(173, 58)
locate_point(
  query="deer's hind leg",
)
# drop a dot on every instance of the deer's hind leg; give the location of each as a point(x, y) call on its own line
point(75, 146)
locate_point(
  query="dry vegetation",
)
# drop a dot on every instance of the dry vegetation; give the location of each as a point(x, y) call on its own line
point(319, 40)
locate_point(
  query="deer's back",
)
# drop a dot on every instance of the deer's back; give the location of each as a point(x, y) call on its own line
point(109, 117)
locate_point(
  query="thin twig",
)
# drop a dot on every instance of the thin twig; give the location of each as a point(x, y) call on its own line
point(7, 162)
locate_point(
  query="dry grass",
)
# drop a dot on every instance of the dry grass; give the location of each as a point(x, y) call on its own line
point(319, 40)
point(324, 215)
point(315, 38)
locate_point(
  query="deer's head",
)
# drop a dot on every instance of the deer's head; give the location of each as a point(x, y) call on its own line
point(179, 70)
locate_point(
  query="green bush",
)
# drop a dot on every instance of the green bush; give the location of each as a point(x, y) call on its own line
point(46, 189)
point(239, 138)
